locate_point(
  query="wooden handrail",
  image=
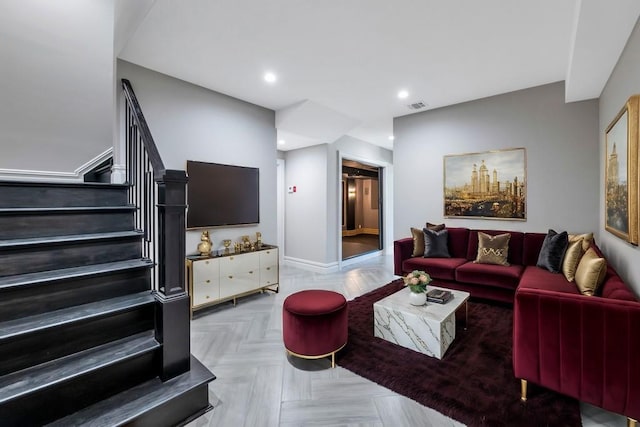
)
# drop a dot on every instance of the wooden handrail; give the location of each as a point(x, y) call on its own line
point(145, 133)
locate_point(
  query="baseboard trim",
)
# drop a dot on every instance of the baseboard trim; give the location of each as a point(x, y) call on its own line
point(314, 266)
point(55, 176)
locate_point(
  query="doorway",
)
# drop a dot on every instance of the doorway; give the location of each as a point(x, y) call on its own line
point(361, 209)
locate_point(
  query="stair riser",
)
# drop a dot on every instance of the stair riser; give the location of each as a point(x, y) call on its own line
point(20, 195)
point(31, 349)
point(71, 396)
point(43, 297)
point(55, 224)
point(178, 411)
point(73, 254)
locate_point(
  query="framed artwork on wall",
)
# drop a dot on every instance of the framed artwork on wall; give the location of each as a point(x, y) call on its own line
point(621, 173)
point(487, 185)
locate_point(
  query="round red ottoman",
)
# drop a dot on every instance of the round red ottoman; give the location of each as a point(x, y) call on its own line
point(314, 324)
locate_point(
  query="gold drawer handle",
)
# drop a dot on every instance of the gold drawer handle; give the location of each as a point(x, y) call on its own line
point(207, 296)
point(251, 272)
point(230, 258)
point(208, 281)
point(206, 262)
point(268, 268)
point(230, 277)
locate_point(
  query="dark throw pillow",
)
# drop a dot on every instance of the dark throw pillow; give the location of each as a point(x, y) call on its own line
point(553, 249)
point(435, 244)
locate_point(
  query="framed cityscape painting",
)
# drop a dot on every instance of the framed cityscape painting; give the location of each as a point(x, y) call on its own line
point(621, 173)
point(487, 185)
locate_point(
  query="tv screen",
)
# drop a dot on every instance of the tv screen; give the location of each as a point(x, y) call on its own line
point(220, 195)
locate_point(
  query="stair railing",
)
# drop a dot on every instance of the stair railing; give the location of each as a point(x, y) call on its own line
point(160, 197)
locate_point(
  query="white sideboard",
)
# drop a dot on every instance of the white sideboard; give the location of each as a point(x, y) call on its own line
point(226, 277)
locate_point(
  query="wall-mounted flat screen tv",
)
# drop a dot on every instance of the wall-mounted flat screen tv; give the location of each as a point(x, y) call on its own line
point(219, 195)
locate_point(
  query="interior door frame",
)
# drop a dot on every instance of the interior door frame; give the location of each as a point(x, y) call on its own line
point(385, 200)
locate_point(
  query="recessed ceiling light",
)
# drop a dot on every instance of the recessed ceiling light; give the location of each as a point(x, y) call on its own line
point(281, 142)
point(270, 77)
point(403, 94)
point(391, 137)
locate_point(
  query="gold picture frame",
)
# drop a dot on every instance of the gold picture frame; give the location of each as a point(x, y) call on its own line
point(621, 173)
point(486, 185)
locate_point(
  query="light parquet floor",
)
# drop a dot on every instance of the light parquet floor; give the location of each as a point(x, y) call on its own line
point(258, 385)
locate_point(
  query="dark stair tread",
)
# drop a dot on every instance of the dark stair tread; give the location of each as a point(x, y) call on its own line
point(17, 384)
point(61, 184)
point(125, 407)
point(37, 241)
point(65, 210)
point(43, 321)
point(10, 282)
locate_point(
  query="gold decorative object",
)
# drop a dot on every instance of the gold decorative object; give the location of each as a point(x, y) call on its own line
point(246, 243)
point(258, 239)
point(237, 247)
point(204, 247)
point(227, 244)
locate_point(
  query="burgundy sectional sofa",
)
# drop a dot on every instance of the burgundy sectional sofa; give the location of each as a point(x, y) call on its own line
point(586, 347)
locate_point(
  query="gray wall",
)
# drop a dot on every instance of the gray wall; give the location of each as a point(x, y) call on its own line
point(189, 122)
point(561, 142)
point(56, 83)
point(623, 83)
point(306, 218)
point(312, 226)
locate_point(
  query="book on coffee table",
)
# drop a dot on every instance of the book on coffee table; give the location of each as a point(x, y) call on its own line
point(439, 296)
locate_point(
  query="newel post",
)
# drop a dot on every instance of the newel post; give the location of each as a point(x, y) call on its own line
point(172, 314)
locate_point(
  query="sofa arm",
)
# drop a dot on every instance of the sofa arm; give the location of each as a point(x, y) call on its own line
point(402, 249)
point(584, 347)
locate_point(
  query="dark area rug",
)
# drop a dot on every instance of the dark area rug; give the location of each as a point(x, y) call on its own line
point(473, 383)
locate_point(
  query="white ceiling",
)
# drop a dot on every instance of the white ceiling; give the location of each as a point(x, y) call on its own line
point(340, 64)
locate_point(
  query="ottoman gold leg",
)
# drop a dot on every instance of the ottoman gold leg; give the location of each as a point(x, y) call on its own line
point(523, 390)
point(631, 422)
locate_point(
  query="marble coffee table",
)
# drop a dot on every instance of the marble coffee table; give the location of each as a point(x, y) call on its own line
point(428, 329)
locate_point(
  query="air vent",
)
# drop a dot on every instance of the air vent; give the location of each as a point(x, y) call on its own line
point(417, 105)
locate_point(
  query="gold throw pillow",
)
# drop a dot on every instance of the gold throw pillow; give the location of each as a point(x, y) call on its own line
point(493, 249)
point(590, 273)
point(418, 242)
point(587, 238)
point(571, 259)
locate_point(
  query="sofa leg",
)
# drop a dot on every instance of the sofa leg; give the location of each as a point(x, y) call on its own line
point(523, 390)
point(631, 422)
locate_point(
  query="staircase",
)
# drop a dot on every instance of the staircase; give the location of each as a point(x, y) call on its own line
point(94, 317)
point(78, 334)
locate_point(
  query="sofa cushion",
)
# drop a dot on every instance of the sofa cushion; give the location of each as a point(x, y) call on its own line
point(458, 242)
point(552, 251)
point(531, 245)
point(515, 245)
point(437, 268)
point(489, 274)
point(615, 288)
point(435, 244)
point(434, 227)
point(587, 239)
point(591, 272)
point(572, 258)
point(418, 242)
point(493, 249)
point(539, 278)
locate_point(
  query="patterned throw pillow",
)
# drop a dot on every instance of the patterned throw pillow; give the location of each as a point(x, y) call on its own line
point(493, 249)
